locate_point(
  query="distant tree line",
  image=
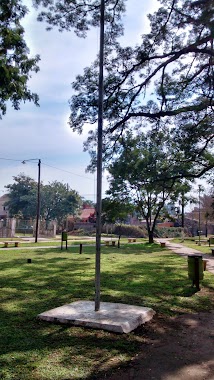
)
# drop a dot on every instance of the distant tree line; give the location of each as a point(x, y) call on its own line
point(58, 200)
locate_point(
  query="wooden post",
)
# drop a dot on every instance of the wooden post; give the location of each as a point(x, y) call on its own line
point(197, 273)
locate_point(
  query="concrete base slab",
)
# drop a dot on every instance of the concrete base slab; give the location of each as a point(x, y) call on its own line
point(116, 317)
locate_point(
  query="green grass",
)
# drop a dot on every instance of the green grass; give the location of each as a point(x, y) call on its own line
point(47, 243)
point(57, 243)
point(140, 274)
point(204, 248)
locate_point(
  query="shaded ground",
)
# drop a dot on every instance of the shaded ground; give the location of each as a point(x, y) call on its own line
point(180, 348)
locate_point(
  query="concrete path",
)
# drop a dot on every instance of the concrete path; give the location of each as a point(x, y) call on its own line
point(181, 250)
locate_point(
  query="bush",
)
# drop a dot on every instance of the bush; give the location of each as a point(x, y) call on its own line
point(81, 232)
point(126, 230)
point(170, 232)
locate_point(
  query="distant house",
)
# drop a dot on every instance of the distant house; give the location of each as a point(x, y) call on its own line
point(88, 215)
point(166, 224)
point(4, 213)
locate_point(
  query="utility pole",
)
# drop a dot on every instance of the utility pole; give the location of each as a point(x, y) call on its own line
point(99, 159)
point(38, 195)
point(38, 202)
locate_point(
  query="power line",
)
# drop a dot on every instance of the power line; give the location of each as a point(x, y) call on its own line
point(10, 159)
point(63, 170)
point(66, 171)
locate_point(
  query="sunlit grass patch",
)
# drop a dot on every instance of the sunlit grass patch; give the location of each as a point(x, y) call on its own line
point(139, 274)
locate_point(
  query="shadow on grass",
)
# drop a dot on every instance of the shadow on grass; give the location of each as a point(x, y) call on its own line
point(137, 248)
point(58, 277)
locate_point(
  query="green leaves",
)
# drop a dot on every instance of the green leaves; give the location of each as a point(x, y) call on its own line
point(165, 80)
point(15, 64)
point(81, 16)
point(147, 173)
point(57, 199)
point(115, 210)
point(22, 197)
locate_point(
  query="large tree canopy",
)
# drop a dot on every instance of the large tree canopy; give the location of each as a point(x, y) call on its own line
point(15, 63)
point(81, 15)
point(177, 56)
point(166, 79)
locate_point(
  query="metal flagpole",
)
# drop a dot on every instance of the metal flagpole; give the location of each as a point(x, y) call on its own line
point(99, 160)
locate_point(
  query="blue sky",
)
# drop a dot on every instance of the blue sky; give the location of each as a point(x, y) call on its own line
point(42, 132)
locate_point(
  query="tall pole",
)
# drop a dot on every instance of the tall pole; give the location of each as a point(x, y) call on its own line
point(38, 202)
point(199, 215)
point(192, 217)
point(182, 209)
point(99, 160)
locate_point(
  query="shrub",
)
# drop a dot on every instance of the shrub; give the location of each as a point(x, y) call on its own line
point(169, 232)
point(128, 230)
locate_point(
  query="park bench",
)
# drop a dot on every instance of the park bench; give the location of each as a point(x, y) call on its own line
point(131, 240)
point(7, 243)
point(110, 242)
point(202, 241)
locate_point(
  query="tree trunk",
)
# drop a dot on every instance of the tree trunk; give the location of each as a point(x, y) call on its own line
point(151, 237)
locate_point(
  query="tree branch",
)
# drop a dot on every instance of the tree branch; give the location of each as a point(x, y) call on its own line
point(160, 114)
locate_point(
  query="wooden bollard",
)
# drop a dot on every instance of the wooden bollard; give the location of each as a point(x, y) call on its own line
point(80, 249)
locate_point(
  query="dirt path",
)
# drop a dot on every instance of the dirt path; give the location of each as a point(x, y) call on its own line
point(180, 348)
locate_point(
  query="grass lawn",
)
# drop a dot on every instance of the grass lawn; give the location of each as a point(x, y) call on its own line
point(204, 248)
point(47, 243)
point(57, 243)
point(139, 274)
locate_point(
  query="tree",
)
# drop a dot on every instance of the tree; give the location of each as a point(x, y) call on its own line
point(144, 173)
point(206, 206)
point(206, 210)
point(81, 16)
point(15, 64)
point(57, 199)
point(115, 210)
point(22, 197)
point(166, 80)
point(87, 203)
